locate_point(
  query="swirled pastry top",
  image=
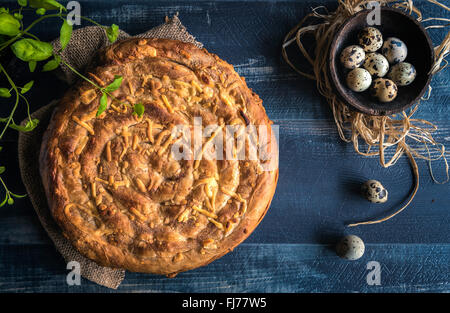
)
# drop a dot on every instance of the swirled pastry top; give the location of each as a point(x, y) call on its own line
point(112, 181)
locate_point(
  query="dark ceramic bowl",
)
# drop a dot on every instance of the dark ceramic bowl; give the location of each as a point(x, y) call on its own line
point(394, 23)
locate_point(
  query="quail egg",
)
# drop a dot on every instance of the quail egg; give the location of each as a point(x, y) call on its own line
point(384, 89)
point(352, 57)
point(402, 74)
point(376, 64)
point(359, 79)
point(370, 39)
point(350, 247)
point(374, 191)
point(394, 50)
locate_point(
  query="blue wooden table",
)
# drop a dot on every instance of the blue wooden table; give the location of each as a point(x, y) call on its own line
point(317, 193)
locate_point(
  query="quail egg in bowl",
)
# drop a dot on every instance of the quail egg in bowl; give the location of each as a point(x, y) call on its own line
point(352, 56)
point(371, 39)
point(359, 80)
point(376, 64)
point(403, 74)
point(395, 50)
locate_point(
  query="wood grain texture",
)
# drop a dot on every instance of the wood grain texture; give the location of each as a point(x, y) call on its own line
point(317, 193)
point(250, 268)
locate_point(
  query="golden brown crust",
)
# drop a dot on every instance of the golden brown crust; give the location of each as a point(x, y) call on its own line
point(115, 187)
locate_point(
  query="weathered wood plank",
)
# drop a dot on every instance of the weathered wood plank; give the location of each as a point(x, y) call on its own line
point(250, 268)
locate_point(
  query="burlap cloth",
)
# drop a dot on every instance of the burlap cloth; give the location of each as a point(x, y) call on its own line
point(83, 45)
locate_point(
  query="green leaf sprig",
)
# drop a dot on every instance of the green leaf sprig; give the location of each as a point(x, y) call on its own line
point(107, 91)
point(112, 33)
point(29, 48)
point(138, 109)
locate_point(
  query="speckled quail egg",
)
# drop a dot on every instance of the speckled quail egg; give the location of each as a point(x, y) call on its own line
point(384, 89)
point(350, 247)
point(394, 50)
point(374, 191)
point(359, 79)
point(370, 39)
point(376, 64)
point(352, 57)
point(402, 74)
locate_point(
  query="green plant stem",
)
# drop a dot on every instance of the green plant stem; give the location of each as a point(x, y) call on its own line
point(89, 20)
point(21, 21)
point(23, 8)
point(31, 35)
point(28, 106)
point(89, 81)
point(79, 74)
point(4, 186)
point(2, 69)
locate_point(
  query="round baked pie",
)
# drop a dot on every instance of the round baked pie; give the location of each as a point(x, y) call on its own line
point(114, 183)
